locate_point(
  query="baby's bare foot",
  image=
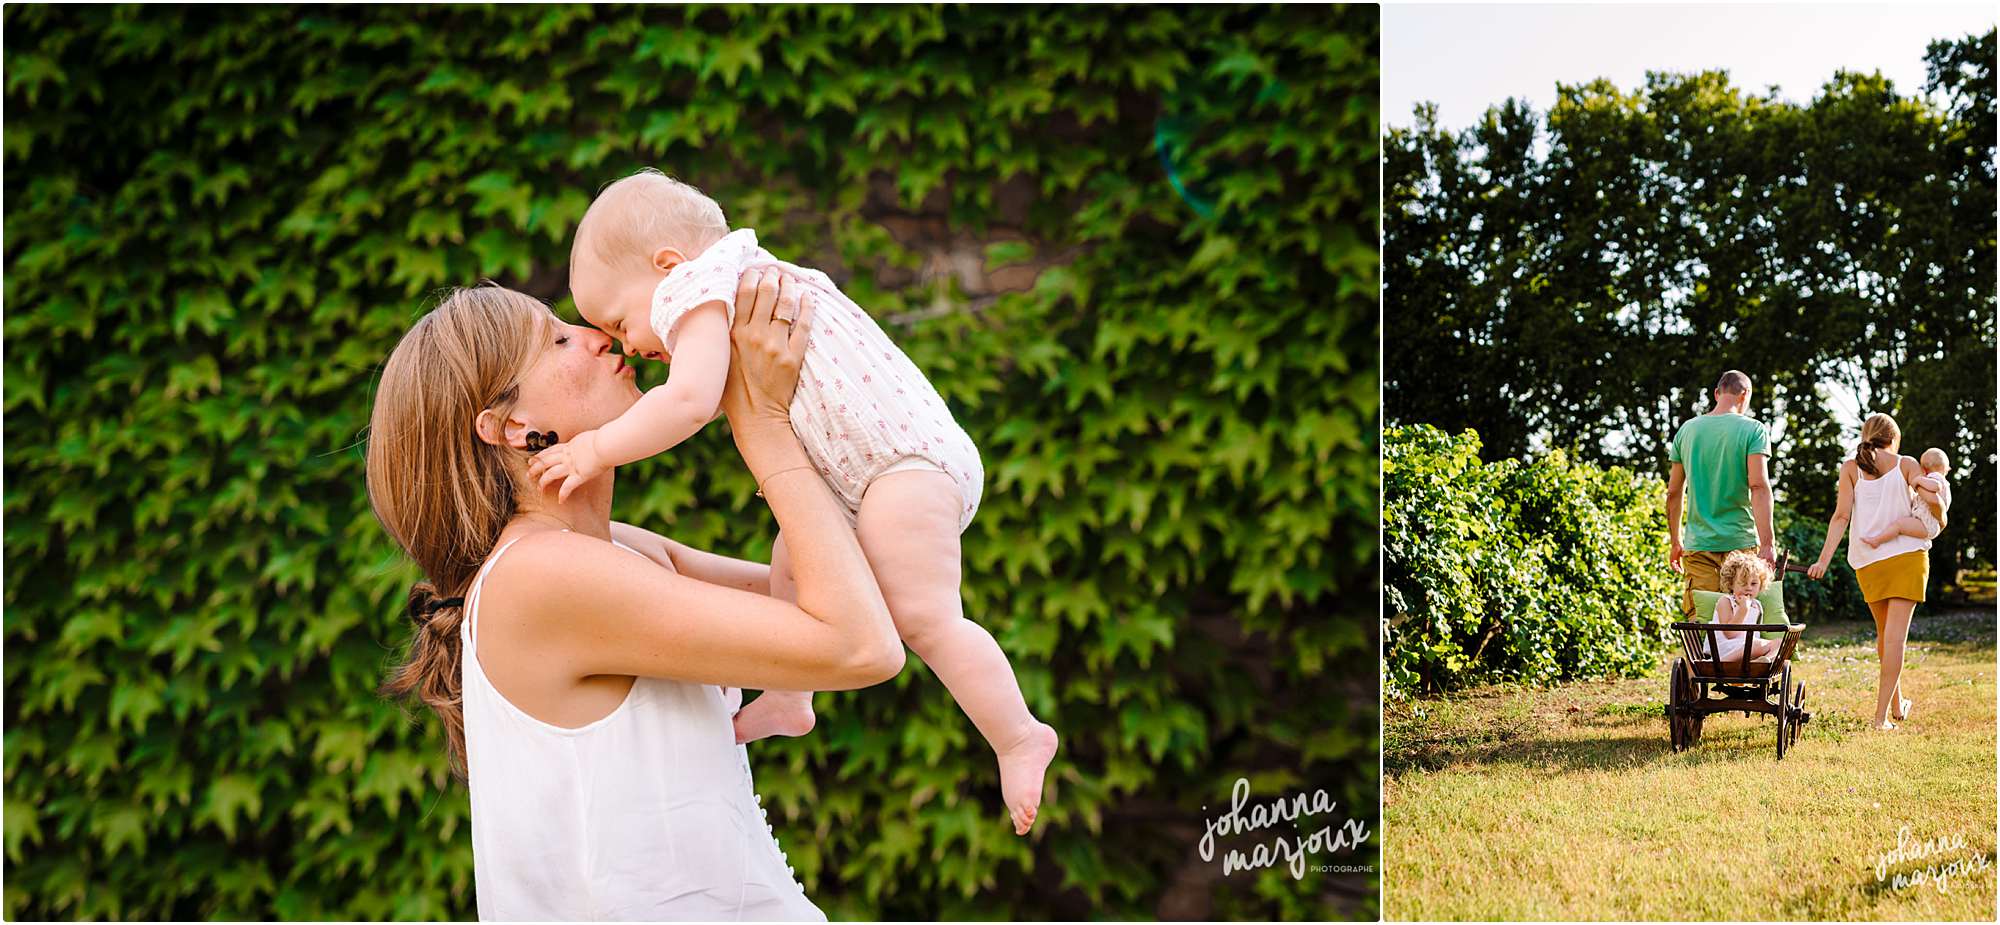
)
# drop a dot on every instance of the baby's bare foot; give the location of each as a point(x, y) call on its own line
point(1884, 726)
point(1022, 766)
point(785, 713)
point(1902, 710)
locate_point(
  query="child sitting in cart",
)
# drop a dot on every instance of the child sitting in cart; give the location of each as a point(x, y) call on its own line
point(1745, 576)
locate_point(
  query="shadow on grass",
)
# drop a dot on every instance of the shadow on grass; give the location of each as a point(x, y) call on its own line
point(1973, 626)
point(1737, 743)
point(1635, 731)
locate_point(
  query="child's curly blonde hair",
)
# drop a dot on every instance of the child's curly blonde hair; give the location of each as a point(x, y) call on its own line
point(1741, 563)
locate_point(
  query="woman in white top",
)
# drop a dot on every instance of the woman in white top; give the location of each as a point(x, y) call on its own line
point(587, 691)
point(1875, 492)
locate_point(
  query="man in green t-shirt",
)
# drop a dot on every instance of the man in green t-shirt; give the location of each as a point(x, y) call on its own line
point(1719, 465)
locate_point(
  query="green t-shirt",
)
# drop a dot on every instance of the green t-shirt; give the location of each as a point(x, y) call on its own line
point(1715, 449)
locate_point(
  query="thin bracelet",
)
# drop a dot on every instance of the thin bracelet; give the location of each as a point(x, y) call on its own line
point(760, 485)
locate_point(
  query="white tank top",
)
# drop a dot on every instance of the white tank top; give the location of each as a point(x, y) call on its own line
point(1729, 646)
point(647, 813)
point(1879, 502)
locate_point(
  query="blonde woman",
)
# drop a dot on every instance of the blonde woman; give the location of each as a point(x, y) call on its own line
point(1874, 494)
point(584, 669)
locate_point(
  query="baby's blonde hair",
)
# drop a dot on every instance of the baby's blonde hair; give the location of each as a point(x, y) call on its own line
point(636, 215)
point(1739, 563)
point(1934, 460)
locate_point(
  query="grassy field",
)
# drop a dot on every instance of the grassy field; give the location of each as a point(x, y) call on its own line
point(1512, 803)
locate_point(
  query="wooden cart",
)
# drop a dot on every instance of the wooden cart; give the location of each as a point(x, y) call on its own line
point(1702, 684)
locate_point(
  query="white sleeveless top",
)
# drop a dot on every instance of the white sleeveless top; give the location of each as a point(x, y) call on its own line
point(1729, 646)
point(1878, 503)
point(648, 813)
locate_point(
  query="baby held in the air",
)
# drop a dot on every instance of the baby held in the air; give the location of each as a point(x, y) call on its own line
point(655, 265)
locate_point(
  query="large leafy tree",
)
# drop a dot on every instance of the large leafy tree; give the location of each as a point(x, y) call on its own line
point(1578, 278)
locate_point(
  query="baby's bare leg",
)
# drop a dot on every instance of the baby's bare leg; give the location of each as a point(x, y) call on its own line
point(909, 530)
point(1907, 526)
point(777, 713)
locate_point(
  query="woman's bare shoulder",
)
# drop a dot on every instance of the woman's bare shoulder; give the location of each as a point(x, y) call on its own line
point(551, 585)
point(551, 566)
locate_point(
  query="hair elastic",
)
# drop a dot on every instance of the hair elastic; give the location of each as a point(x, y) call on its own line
point(420, 611)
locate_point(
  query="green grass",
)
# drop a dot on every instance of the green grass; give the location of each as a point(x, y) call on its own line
point(1506, 802)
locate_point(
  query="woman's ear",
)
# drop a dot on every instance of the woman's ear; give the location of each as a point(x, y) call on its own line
point(497, 431)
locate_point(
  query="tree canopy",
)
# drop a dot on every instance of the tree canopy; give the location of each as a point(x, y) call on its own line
point(1579, 278)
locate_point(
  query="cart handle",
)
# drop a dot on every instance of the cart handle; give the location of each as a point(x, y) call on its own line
point(1785, 564)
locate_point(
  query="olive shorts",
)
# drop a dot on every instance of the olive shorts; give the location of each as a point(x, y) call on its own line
point(1704, 573)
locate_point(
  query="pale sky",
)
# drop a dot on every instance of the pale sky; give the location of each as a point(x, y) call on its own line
point(1468, 57)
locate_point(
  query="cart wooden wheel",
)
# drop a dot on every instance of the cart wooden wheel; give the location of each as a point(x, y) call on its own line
point(1785, 709)
point(1676, 724)
point(1798, 701)
point(1691, 696)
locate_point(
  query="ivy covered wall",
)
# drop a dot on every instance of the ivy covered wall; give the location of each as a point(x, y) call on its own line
point(1134, 247)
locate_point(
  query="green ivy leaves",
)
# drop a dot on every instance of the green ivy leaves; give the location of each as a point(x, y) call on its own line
point(220, 223)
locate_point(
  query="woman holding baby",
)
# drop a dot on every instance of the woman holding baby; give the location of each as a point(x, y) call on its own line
point(1890, 557)
point(585, 670)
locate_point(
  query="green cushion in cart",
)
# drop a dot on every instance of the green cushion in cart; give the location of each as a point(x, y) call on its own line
point(1773, 600)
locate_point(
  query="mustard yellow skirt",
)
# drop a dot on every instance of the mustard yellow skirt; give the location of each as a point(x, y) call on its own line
point(1901, 576)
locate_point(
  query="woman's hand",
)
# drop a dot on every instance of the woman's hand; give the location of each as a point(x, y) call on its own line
point(767, 345)
point(1816, 570)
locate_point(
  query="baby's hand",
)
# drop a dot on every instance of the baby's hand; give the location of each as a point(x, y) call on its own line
point(570, 464)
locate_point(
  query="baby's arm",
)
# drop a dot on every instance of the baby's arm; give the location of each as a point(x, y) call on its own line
point(1930, 487)
point(681, 406)
point(1930, 493)
point(661, 418)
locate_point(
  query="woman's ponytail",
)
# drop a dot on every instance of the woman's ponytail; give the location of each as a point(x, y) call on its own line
point(431, 672)
point(1878, 432)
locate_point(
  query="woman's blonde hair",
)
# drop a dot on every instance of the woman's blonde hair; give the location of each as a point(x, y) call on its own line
point(440, 491)
point(1878, 432)
point(1739, 563)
